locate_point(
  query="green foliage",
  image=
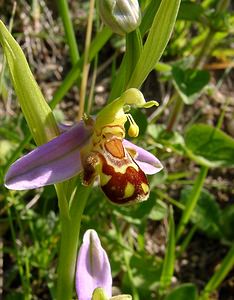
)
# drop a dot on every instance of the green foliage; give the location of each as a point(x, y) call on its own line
point(169, 260)
point(158, 37)
point(183, 292)
point(209, 217)
point(189, 83)
point(227, 222)
point(190, 11)
point(209, 146)
point(146, 276)
point(144, 242)
point(206, 214)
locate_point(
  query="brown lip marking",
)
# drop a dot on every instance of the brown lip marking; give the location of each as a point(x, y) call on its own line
point(115, 148)
point(114, 189)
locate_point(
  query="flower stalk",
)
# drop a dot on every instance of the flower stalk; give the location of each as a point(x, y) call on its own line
point(190, 205)
point(70, 229)
point(86, 64)
point(224, 268)
point(69, 31)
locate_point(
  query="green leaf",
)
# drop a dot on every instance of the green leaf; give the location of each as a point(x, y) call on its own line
point(148, 16)
point(156, 42)
point(190, 11)
point(209, 146)
point(207, 214)
point(133, 51)
point(146, 275)
point(35, 109)
point(227, 222)
point(189, 83)
point(159, 211)
point(185, 291)
point(173, 140)
point(132, 54)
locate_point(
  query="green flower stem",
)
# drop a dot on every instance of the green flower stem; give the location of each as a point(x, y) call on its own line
point(190, 205)
point(133, 50)
point(85, 71)
point(135, 294)
point(70, 218)
point(69, 31)
point(126, 258)
point(225, 267)
point(199, 61)
point(174, 202)
point(143, 60)
point(205, 50)
point(169, 259)
point(92, 85)
point(186, 241)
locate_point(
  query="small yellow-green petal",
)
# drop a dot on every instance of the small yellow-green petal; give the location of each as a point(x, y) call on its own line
point(99, 294)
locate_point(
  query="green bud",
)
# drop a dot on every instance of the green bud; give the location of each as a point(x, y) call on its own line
point(122, 16)
point(99, 294)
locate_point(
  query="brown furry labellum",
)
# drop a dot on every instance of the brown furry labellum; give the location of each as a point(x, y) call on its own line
point(121, 179)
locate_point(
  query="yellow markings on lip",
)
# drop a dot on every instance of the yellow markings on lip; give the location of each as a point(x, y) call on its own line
point(145, 187)
point(104, 178)
point(129, 190)
point(132, 152)
point(115, 148)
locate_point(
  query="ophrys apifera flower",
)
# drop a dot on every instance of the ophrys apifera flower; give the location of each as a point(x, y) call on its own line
point(93, 271)
point(97, 148)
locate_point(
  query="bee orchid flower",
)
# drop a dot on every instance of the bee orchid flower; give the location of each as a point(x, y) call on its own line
point(97, 148)
point(93, 271)
point(93, 268)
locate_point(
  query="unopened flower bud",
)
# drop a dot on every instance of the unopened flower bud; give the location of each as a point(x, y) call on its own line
point(99, 294)
point(122, 16)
